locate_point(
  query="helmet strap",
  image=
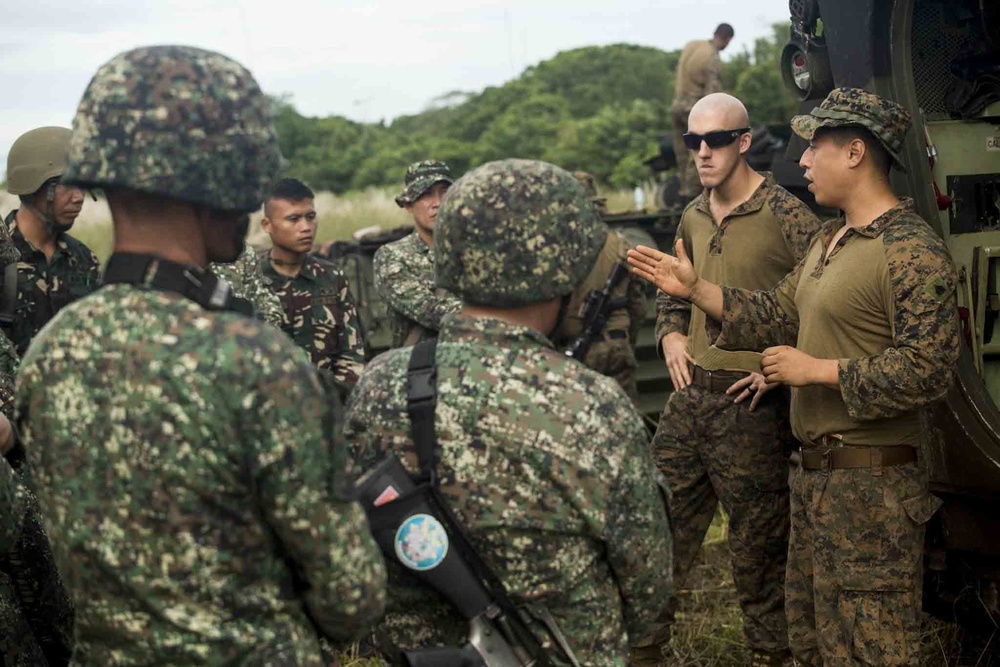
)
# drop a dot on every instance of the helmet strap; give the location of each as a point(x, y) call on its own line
point(52, 227)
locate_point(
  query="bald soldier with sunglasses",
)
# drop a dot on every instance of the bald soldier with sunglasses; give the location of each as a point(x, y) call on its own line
point(721, 435)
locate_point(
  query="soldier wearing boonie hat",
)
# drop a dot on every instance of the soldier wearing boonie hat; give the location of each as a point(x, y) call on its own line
point(420, 176)
point(887, 121)
point(872, 316)
point(404, 270)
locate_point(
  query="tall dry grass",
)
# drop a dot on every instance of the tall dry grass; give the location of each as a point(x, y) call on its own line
point(340, 216)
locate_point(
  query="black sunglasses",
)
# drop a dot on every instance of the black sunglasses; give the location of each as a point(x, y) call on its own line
point(716, 139)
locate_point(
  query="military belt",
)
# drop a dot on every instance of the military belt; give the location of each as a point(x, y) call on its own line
point(844, 458)
point(617, 334)
point(716, 381)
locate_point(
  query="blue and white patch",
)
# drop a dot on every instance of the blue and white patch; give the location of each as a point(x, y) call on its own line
point(421, 542)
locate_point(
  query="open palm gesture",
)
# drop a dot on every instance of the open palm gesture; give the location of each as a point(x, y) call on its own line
point(672, 275)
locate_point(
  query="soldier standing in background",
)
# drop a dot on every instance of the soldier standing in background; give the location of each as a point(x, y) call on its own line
point(247, 283)
point(748, 230)
point(54, 268)
point(319, 313)
point(871, 312)
point(185, 458)
point(404, 270)
point(613, 354)
point(544, 462)
point(699, 73)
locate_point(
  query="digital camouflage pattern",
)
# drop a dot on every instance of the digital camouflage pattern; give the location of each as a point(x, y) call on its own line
point(712, 450)
point(36, 616)
point(404, 278)
point(247, 283)
point(420, 176)
point(144, 124)
point(45, 286)
point(613, 352)
point(770, 204)
point(899, 366)
point(844, 107)
point(526, 221)
point(545, 463)
point(319, 315)
point(883, 303)
point(855, 565)
point(196, 496)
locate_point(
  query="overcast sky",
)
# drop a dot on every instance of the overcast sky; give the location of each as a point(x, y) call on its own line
point(364, 60)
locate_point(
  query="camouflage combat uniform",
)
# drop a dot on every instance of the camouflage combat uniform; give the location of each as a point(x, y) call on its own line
point(247, 283)
point(184, 457)
point(883, 303)
point(699, 73)
point(319, 315)
point(404, 277)
point(36, 616)
point(613, 353)
point(544, 461)
point(44, 286)
point(712, 450)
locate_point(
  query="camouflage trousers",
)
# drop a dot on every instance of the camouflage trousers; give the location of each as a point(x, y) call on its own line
point(855, 565)
point(712, 450)
point(687, 172)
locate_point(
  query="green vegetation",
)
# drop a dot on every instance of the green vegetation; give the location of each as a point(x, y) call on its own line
point(600, 109)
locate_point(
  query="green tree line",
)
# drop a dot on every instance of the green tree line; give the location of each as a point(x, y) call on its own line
point(597, 109)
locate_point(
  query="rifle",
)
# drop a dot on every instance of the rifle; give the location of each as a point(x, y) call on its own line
point(596, 309)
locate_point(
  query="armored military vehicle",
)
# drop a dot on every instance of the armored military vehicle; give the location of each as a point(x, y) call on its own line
point(941, 60)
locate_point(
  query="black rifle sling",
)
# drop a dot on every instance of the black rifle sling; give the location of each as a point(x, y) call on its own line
point(421, 404)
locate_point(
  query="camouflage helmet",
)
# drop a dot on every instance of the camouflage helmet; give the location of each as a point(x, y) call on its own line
point(35, 157)
point(515, 232)
point(175, 121)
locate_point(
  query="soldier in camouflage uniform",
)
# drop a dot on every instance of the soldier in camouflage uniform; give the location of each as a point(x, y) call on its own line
point(54, 268)
point(699, 73)
point(404, 270)
point(871, 312)
point(184, 455)
point(544, 461)
point(319, 313)
point(247, 283)
point(613, 353)
point(748, 230)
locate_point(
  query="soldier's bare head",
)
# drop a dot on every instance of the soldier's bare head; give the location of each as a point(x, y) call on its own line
point(719, 137)
point(290, 217)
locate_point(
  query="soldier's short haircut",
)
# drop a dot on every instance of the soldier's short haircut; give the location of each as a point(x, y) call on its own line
point(289, 189)
point(881, 160)
point(725, 30)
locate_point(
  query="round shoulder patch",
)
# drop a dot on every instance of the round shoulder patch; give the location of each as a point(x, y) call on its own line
point(421, 542)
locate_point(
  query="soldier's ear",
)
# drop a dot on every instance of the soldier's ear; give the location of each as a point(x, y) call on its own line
point(746, 139)
point(856, 149)
point(265, 224)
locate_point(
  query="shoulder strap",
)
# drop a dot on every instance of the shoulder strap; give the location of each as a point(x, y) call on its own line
point(8, 308)
point(421, 402)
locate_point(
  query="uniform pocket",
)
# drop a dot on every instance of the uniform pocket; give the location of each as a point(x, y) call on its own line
point(877, 613)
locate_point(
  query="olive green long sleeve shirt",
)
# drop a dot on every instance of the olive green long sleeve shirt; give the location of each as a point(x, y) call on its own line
point(883, 304)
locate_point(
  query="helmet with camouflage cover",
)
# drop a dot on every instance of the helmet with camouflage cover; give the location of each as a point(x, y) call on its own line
point(35, 157)
point(176, 121)
point(515, 232)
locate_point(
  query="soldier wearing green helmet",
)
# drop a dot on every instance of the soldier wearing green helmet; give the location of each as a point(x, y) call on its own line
point(184, 453)
point(53, 268)
point(544, 462)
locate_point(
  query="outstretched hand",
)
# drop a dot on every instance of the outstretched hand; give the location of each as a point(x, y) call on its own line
point(671, 275)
